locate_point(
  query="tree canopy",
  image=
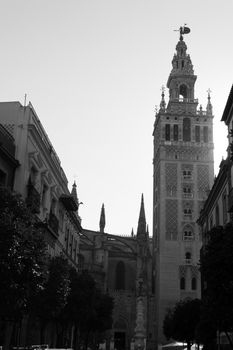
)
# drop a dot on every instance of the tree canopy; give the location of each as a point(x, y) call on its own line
point(216, 269)
point(180, 322)
point(22, 255)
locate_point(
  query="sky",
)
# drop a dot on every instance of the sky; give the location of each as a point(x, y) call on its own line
point(93, 71)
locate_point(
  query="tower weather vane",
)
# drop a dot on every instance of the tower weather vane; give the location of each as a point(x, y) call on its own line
point(183, 30)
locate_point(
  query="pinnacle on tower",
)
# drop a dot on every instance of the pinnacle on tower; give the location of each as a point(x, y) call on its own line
point(132, 233)
point(74, 193)
point(102, 219)
point(209, 108)
point(162, 103)
point(142, 219)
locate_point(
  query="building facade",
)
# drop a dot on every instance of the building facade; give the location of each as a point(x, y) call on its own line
point(8, 163)
point(41, 180)
point(183, 175)
point(218, 207)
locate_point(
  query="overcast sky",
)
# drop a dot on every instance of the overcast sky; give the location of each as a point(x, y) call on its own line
point(93, 70)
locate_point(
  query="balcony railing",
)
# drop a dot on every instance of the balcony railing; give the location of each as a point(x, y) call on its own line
point(187, 195)
point(188, 261)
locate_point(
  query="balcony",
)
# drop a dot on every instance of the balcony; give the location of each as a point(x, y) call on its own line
point(53, 223)
point(33, 199)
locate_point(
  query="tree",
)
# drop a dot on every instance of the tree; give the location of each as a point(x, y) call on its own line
point(216, 269)
point(89, 309)
point(50, 303)
point(180, 322)
point(22, 257)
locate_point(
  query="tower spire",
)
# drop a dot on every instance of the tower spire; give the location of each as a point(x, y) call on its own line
point(142, 219)
point(102, 219)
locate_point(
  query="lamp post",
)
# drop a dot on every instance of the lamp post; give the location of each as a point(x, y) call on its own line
point(140, 318)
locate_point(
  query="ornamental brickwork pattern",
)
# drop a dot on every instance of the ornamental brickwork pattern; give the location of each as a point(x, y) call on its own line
point(171, 219)
point(171, 179)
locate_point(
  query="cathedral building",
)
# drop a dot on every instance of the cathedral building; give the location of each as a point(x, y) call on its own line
point(183, 170)
point(121, 266)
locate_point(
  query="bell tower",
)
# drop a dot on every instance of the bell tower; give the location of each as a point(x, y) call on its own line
point(183, 171)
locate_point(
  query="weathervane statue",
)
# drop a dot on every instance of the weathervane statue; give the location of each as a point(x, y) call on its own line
point(183, 30)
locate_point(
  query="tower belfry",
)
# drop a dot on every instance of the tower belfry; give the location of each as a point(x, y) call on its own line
point(183, 174)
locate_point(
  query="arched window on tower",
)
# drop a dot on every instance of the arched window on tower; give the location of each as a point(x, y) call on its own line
point(120, 276)
point(205, 134)
point(188, 233)
point(186, 129)
point(183, 91)
point(194, 283)
point(167, 132)
point(188, 258)
point(175, 132)
point(197, 133)
point(182, 283)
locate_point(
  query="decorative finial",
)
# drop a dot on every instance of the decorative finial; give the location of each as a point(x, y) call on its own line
point(183, 30)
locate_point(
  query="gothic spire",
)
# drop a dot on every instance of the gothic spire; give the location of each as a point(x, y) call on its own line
point(102, 219)
point(142, 219)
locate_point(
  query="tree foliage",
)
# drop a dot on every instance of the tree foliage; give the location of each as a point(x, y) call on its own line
point(22, 256)
point(180, 322)
point(216, 269)
point(50, 302)
point(89, 308)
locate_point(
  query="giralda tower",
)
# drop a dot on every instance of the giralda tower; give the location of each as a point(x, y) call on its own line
point(183, 174)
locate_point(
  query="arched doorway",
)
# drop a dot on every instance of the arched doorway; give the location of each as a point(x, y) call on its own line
point(120, 335)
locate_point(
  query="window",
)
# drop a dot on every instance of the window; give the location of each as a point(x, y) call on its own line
point(224, 207)
point(187, 192)
point(183, 88)
point(205, 134)
point(186, 129)
point(188, 258)
point(2, 178)
point(187, 212)
point(194, 283)
point(217, 215)
point(167, 132)
point(182, 283)
point(187, 174)
point(44, 195)
point(197, 133)
point(211, 222)
point(175, 132)
point(188, 235)
point(120, 276)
